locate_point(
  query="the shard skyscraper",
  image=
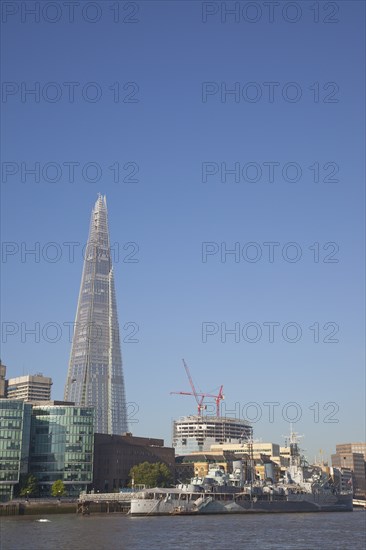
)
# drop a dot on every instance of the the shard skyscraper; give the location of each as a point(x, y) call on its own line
point(95, 376)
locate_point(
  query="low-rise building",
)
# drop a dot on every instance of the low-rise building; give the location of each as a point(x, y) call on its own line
point(30, 387)
point(256, 449)
point(355, 462)
point(198, 464)
point(342, 478)
point(52, 441)
point(115, 455)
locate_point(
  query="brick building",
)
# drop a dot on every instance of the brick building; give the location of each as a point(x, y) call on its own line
point(115, 455)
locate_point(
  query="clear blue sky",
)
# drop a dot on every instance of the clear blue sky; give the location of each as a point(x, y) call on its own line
point(169, 132)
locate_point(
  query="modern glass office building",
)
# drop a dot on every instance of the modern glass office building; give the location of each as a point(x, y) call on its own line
point(61, 447)
point(50, 441)
point(15, 421)
point(95, 376)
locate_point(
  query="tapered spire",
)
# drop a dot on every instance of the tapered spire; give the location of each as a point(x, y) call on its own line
point(95, 375)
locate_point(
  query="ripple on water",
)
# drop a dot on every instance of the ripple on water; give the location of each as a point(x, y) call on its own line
point(333, 531)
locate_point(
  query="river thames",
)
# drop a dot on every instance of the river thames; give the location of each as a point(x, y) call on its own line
point(333, 531)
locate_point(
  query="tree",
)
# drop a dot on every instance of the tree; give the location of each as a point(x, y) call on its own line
point(28, 486)
point(155, 474)
point(58, 488)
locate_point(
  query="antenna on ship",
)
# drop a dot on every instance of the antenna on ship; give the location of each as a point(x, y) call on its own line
point(294, 446)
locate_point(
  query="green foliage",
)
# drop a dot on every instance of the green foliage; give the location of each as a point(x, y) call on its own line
point(58, 489)
point(28, 486)
point(151, 475)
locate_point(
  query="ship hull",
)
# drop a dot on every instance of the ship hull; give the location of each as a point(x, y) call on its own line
point(220, 505)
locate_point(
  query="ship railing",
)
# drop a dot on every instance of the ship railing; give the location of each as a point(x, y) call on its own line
point(105, 497)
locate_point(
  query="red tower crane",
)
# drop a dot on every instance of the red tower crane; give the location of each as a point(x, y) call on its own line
point(199, 397)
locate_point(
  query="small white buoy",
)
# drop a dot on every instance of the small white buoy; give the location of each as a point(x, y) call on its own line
point(43, 520)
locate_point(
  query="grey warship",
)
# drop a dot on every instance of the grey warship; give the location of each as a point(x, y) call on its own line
point(302, 489)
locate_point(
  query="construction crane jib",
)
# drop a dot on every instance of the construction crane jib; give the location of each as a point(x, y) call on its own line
point(200, 397)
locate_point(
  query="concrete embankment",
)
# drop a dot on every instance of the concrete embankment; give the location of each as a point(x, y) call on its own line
point(37, 507)
point(52, 506)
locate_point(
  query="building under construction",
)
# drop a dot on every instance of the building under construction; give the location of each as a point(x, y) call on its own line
point(198, 433)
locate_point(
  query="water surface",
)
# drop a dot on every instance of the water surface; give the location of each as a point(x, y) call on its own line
point(311, 531)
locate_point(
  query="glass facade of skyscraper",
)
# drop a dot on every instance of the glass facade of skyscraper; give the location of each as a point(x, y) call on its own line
point(15, 422)
point(95, 376)
point(51, 441)
point(62, 439)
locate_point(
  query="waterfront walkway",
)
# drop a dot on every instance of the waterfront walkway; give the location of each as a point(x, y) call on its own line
point(104, 502)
